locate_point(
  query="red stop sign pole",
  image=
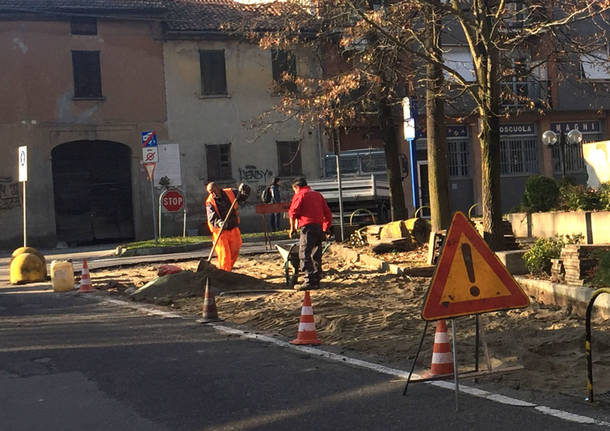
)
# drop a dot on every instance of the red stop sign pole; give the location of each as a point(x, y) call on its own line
point(172, 201)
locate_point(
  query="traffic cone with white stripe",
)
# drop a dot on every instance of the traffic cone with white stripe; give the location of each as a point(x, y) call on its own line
point(209, 312)
point(307, 328)
point(442, 360)
point(85, 279)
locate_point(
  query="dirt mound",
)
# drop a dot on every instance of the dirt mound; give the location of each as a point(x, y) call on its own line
point(192, 283)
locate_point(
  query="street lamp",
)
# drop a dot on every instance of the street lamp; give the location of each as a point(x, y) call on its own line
point(551, 138)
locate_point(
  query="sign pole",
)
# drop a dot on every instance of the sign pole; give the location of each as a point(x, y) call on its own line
point(160, 198)
point(25, 231)
point(23, 178)
point(339, 184)
point(455, 369)
point(152, 194)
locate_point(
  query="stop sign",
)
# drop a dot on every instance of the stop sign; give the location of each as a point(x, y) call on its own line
point(172, 200)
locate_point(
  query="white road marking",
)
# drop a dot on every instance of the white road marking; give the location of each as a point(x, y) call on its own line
point(475, 392)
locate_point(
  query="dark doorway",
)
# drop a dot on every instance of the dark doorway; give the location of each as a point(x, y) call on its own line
point(92, 186)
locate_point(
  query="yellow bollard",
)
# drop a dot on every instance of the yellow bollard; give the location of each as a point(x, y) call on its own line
point(25, 268)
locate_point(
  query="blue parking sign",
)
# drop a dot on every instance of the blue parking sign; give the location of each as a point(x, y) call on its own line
point(149, 139)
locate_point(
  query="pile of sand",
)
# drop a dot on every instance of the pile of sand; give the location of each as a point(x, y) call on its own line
point(187, 283)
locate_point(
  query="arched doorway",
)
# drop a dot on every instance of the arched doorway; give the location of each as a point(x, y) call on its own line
point(92, 186)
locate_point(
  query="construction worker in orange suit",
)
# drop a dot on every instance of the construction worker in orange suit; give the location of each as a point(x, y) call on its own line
point(217, 206)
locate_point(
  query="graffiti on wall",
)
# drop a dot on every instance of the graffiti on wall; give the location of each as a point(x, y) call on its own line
point(9, 194)
point(249, 173)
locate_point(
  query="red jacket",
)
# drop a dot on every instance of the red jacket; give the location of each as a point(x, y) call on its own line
point(310, 207)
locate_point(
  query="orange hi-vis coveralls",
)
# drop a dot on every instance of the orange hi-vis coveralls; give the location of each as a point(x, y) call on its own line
point(229, 243)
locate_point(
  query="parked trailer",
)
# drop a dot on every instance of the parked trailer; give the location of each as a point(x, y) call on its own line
point(369, 193)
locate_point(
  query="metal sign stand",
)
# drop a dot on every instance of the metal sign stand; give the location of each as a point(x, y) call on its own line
point(23, 178)
point(25, 224)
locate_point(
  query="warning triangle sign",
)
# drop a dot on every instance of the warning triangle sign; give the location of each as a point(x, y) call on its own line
point(469, 277)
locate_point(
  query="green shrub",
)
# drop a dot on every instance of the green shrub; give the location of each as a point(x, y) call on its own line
point(602, 276)
point(538, 258)
point(604, 197)
point(541, 194)
point(579, 197)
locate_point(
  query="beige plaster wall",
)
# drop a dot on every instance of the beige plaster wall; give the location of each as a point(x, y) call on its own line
point(195, 121)
point(38, 110)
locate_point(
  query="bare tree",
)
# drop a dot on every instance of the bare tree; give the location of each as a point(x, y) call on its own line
point(508, 40)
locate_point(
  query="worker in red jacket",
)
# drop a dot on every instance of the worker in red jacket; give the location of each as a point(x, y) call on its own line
point(309, 212)
point(226, 229)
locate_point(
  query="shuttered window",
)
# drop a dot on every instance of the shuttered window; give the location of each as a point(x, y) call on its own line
point(289, 159)
point(213, 74)
point(218, 162)
point(87, 74)
point(283, 69)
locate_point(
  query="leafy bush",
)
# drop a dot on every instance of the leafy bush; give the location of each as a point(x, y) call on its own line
point(541, 194)
point(604, 197)
point(538, 258)
point(602, 276)
point(579, 197)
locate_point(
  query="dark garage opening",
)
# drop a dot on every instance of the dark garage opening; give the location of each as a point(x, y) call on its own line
point(92, 186)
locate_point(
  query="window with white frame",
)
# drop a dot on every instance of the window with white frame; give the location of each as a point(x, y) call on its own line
point(596, 65)
point(459, 59)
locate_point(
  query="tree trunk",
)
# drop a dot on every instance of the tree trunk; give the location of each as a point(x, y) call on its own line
point(489, 138)
point(438, 175)
point(391, 146)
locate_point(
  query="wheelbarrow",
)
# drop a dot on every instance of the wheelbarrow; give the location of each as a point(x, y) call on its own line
point(290, 256)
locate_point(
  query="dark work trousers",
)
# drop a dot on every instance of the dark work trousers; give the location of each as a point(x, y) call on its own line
point(310, 253)
point(275, 221)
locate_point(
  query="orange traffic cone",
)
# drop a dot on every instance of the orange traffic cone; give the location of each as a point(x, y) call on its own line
point(307, 328)
point(209, 312)
point(442, 361)
point(85, 279)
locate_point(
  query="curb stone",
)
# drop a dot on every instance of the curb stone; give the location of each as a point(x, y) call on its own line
point(578, 297)
point(123, 252)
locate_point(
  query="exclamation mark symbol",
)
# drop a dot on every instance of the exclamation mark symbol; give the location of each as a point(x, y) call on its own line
point(467, 255)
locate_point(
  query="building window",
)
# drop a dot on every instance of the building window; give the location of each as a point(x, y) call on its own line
point(213, 74)
point(283, 69)
point(87, 74)
point(459, 59)
point(596, 65)
point(518, 156)
point(458, 158)
point(218, 160)
point(289, 158)
point(575, 161)
point(83, 26)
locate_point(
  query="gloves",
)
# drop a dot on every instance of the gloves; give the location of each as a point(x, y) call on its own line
point(243, 191)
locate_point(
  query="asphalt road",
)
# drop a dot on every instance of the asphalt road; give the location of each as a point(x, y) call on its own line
point(77, 362)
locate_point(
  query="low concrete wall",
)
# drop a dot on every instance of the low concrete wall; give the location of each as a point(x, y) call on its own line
point(546, 225)
point(594, 226)
point(600, 227)
point(577, 297)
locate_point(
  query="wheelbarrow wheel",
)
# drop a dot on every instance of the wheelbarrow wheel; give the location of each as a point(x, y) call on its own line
point(291, 274)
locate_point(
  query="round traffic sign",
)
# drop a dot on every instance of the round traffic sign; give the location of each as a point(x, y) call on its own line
point(172, 200)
